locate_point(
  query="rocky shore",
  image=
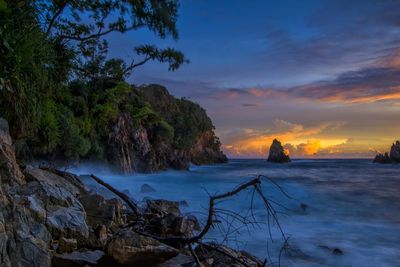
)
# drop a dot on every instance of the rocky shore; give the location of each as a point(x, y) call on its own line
point(50, 218)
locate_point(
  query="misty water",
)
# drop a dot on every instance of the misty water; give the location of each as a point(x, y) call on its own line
point(349, 205)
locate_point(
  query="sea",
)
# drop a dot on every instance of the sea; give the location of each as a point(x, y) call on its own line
point(320, 212)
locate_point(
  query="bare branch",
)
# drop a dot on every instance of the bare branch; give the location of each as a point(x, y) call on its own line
point(123, 196)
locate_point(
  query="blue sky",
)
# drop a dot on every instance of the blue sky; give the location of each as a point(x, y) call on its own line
point(318, 74)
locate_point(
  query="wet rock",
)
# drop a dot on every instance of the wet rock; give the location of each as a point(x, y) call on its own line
point(131, 249)
point(78, 258)
point(67, 245)
point(382, 158)
point(395, 152)
point(304, 206)
point(65, 215)
point(392, 157)
point(102, 211)
point(183, 203)
point(337, 251)
point(147, 189)
point(277, 153)
point(179, 260)
point(220, 259)
point(206, 150)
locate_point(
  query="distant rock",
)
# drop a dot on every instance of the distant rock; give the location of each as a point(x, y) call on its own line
point(382, 158)
point(277, 153)
point(395, 152)
point(147, 189)
point(392, 157)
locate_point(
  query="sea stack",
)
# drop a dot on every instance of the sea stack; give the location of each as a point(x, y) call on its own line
point(392, 157)
point(277, 153)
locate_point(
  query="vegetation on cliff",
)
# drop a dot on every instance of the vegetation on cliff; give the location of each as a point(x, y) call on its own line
point(63, 96)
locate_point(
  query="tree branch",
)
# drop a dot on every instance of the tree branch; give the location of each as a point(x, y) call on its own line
point(55, 16)
point(123, 196)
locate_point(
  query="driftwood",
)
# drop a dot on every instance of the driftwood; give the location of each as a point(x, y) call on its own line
point(212, 218)
point(123, 196)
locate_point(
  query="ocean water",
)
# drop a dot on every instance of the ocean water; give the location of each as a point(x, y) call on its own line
point(352, 206)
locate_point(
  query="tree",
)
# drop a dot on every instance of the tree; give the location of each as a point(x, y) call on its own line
point(85, 23)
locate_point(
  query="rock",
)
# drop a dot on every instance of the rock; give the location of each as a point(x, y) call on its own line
point(337, 251)
point(179, 260)
point(67, 245)
point(206, 150)
point(183, 203)
point(102, 211)
point(129, 148)
point(65, 215)
point(147, 189)
point(220, 259)
point(164, 218)
point(78, 259)
point(395, 152)
point(10, 172)
point(392, 157)
point(382, 158)
point(277, 153)
point(131, 249)
point(304, 206)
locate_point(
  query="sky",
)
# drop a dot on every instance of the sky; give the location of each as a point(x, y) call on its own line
point(321, 76)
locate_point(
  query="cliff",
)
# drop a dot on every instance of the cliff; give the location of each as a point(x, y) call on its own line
point(392, 157)
point(135, 129)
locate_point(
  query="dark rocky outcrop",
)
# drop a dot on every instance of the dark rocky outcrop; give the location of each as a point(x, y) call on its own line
point(277, 153)
point(392, 157)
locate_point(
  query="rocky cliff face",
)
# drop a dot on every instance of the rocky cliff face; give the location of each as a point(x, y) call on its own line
point(133, 147)
point(277, 153)
point(392, 157)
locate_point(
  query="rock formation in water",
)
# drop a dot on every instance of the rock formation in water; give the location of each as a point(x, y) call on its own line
point(392, 157)
point(277, 153)
point(50, 218)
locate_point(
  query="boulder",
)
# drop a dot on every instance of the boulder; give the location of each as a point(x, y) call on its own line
point(277, 153)
point(219, 256)
point(101, 211)
point(147, 189)
point(164, 218)
point(131, 249)
point(78, 258)
point(382, 158)
point(395, 152)
point(67, 245)
point(46, 191)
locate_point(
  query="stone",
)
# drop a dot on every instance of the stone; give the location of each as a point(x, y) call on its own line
point(395, 152)
point(277, 153)
point(147, 189)
point(102, 211)
point(78, 258)
point(219, 257)
point(67, 245)
point(382, 158)
point(179, 260)
point(131, 249)
point(65, 215)
point(337, 251)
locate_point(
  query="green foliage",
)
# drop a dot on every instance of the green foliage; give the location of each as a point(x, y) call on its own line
point(189, 123)
point(61, 93)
